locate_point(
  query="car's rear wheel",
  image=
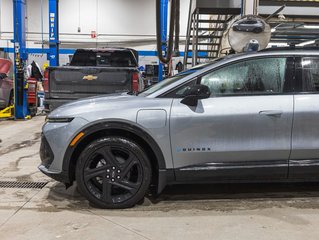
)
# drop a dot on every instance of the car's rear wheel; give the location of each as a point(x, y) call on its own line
point(11, 99)
point(113, 172)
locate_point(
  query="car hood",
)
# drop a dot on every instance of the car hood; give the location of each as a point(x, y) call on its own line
point(115, 106)
point(91, 104)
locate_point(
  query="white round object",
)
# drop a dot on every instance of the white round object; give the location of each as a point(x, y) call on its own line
point(238, 40)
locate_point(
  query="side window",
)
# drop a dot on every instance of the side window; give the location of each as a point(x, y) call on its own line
point(181, 90)
point(310, 74)
point(258, 76)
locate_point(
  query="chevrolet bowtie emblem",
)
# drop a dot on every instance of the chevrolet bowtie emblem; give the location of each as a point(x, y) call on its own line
point(89, 77)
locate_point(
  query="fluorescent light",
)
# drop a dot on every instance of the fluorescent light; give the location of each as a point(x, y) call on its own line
point(306, 43)
point(311, 26)
point(277, 44)
point(305, 62)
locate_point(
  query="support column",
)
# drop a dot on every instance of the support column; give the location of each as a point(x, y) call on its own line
point(20, 57)
point(53, 54)
point(250, 7)
point(164, 20)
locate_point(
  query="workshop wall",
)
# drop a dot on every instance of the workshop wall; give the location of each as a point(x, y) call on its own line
point(125, 23)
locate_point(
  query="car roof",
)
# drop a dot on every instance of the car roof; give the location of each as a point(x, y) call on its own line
point(287, 51)
point(107, 49)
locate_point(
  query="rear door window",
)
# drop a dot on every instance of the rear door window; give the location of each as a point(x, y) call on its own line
point(309, 69)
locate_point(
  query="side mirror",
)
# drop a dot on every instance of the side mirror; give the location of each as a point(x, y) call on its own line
point(194, 93)
point(3, 76)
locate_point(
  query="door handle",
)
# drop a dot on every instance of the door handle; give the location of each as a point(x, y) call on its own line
point(271, 113)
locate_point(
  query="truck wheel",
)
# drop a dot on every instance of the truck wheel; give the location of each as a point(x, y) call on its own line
point(113, 172)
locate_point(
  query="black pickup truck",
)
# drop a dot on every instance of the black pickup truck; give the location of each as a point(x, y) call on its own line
point(92, 72)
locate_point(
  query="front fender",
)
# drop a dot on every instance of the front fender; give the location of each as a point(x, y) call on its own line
point(114, 126)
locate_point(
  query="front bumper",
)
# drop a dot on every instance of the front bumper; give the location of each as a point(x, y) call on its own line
point(55, 140)
point(46, 154)
point(47, 157)
point(60, 177)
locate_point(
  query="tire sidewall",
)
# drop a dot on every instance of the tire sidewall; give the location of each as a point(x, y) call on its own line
point(124, 143)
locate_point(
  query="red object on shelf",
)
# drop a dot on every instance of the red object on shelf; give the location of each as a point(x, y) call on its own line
point(93, 34)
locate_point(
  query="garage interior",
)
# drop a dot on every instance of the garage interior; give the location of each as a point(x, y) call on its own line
point(49, 32)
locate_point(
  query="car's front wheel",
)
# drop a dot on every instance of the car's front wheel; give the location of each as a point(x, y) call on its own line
point(113, 172)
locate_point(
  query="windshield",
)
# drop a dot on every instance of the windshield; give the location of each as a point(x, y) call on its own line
point(168, 81)
point(161, 85)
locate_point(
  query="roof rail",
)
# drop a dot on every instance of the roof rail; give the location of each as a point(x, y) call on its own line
point(288, 48)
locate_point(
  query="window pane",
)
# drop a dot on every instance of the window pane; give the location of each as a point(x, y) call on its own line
point(260, 76)
point(84, 58)
point(310, 74)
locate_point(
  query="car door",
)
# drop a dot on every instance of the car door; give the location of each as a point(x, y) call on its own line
point(243, 131)
point(304, 160)
point(5, 81)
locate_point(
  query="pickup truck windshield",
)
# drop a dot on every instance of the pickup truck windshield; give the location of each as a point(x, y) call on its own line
point(103, 59)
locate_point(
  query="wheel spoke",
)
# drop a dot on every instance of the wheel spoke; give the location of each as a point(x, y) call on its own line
point(129, 163)
point(131, 187)
point(106, 191)
point(106, 152)
point(94, 172)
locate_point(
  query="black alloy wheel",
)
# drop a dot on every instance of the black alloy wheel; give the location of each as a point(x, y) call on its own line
point(113, 172)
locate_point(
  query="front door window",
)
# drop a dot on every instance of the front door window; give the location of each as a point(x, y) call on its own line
point(261, 76)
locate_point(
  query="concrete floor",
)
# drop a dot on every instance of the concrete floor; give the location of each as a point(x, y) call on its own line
point(237, 211)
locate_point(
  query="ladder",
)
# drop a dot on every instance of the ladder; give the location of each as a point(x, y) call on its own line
point(205, 30)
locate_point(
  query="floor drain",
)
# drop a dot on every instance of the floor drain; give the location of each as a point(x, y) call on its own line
point(14, 184)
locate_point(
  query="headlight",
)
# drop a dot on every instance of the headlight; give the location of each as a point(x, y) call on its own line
point(58, 119)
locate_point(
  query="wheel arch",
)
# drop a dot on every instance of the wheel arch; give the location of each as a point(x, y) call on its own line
point(121, 129)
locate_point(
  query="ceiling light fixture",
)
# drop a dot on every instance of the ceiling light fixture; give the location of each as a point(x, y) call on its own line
point(311, 26)
point(306, 43)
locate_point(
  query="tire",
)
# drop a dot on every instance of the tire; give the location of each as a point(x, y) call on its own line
point(11, 99)
point(257, 30)
point(113, 172)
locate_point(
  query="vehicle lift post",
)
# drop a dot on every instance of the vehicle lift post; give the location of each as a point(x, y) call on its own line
point(53, 55)
point(164, 23)
point(250, 7)
point(20, 57)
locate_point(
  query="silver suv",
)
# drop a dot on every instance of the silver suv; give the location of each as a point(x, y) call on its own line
point(248, 117)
